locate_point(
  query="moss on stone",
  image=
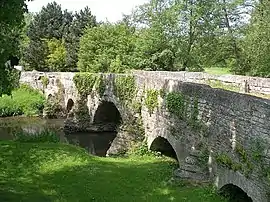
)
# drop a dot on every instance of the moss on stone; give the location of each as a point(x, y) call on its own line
point(86, 83)
point(151, 100)
point(125, 88)
point(45, 81)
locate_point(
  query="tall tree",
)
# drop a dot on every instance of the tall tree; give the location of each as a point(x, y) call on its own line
point(82, 20)
point(50, 23)
point(11, 15)
point(257, 42)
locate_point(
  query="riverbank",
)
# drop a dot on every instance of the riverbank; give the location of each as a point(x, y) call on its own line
point(24, 101)
point(59, 172)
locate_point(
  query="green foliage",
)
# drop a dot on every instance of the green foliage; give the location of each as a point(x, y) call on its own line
point(125, 88)
point(87, 82)
point(56, 59)
point(54, 46)
point(106, 48)
point(225, 160)
point(141, 149)
point(151, 100)
point(256, 42)
point(45, 81)
point(11, 15)
point(24, 100)
point(81, 20)
point(52, 108)
point(45, 136)
point(176, 104)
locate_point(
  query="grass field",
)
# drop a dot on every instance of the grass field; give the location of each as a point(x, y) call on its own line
point(217, 71)
point(62, 173)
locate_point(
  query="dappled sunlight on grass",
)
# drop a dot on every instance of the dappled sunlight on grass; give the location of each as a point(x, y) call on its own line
point(217, 70)
point(56, 172)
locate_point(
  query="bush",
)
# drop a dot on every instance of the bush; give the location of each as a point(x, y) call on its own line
point(23, 101)
point(106, 48)
point(45, 136)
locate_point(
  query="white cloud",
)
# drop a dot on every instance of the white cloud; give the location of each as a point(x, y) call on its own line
point(103, 9)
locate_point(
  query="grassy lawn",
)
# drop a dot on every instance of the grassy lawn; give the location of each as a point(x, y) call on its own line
point(55, 172)
point(217, 70)
point(24, 100)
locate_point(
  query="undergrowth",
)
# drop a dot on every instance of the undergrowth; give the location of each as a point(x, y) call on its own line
point(23, 101)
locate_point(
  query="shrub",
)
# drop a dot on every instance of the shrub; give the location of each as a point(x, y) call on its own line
point(24, 100)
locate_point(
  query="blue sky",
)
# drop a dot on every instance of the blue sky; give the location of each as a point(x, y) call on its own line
point(103, 9)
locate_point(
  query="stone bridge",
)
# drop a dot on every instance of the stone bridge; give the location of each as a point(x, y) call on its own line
point(219, 134)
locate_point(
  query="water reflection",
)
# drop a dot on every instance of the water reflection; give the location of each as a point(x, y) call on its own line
point(96, 143)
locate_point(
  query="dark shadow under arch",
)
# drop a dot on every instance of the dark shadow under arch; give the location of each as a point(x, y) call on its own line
point(162, 145)
point(107, 113)
point(234, 193)
point(70, 105)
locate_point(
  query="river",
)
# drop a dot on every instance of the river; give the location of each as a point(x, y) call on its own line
point(95, 143)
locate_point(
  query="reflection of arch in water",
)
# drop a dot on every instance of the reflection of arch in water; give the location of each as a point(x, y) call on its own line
point(162, 145)
point(234, 193)
point(70, 105)
point(107, 113)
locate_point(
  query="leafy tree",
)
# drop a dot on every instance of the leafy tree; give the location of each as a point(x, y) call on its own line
point(82, 19)
point(257, 42)
point(106, 48)
point(11, 15)
point(50, 23)
point(56, 59)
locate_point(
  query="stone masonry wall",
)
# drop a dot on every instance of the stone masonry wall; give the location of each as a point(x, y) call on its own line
point(233, 123)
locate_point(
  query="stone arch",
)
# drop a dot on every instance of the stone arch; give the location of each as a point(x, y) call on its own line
point(107, 113)
point(107, 119)
point(235, 181)
point(163, 145)
point(234, 193)
point(70, 105)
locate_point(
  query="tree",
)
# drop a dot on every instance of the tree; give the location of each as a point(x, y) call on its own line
point(11, 15)
point(102, 47)
point(50, 23)
point(82, 20)
point(56, 59)
point(178, 29)
point(257, 42)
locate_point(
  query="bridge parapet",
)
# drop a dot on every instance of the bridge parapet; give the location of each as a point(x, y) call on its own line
point(216, 134)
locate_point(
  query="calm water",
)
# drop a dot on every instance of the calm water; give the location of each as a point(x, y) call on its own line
point(94, 143)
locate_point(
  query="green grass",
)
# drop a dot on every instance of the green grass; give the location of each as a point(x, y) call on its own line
point(24, 101)
point(217, 70)
point(62, 173)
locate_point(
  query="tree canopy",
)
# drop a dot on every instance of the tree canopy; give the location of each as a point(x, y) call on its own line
point(170, 35)
point(11, 23)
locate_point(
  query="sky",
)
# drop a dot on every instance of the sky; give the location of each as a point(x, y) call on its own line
point(110, 10)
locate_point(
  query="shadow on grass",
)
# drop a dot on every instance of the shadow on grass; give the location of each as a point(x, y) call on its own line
point(49, 172)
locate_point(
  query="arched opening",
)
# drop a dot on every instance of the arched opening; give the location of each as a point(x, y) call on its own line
point(50, 98)
point(70, 105)
point(107, 113)
point(103, 131)
point(234, 193)
point(162, 145)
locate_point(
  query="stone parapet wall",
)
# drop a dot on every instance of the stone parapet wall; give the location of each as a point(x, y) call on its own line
point(245, 84)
